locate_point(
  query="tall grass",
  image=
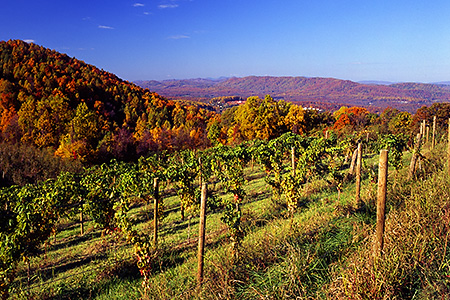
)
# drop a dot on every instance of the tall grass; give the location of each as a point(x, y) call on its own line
point(415, 263)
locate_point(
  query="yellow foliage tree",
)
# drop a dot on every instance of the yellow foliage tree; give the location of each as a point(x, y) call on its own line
point(295, 119)
point(259, 119)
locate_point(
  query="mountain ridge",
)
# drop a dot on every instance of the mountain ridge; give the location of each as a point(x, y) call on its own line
point(323, 92)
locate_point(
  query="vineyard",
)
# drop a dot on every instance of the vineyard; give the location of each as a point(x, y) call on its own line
point(283, 221)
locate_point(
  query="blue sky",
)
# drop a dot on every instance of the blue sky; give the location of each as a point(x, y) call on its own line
point(394, 40)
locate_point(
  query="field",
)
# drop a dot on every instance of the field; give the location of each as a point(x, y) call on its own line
point(323, 251)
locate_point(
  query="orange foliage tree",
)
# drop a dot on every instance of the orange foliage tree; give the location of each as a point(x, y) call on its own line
point(350, 119)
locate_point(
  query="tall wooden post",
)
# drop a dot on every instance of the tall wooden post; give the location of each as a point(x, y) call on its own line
point(448, 148)
point(358, 175)
point(381, 202)
point(155, 211)
point(347, 155)
point(81, 222)
point(433, 138)
point(415, 155)
point(81, 217)
point(200, 172)
point(353, 162)
point(201, 235)
point(293, 160)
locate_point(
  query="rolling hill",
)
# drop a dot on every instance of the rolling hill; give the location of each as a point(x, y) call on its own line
point(322, 92)
point(51, 100)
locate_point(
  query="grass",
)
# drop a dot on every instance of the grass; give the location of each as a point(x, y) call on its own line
point(323, 252)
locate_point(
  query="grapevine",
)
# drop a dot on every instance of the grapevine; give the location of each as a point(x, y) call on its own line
point(230, 171)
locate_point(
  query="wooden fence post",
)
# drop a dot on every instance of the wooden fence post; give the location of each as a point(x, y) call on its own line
point(81, 222)
point(433, 138)
point(201, 235)
point(358, 175)
point(415, 155)
point(353, 162)
point(293, 160)
point(155, 211)
point(381, 202)
point(448, 148)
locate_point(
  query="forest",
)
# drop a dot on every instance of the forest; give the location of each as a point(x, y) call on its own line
point(92, 164)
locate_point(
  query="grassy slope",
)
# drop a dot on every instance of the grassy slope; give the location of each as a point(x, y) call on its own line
point(324, 252)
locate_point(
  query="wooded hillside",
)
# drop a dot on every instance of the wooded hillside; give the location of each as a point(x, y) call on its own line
point(48, 99)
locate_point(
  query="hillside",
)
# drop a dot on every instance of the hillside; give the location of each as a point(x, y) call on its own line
point(48, 99)
point(313, 243)
point(321, 92)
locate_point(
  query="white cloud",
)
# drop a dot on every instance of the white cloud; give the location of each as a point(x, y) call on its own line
point(29, 41)
point(178, 37)
point(105, 27)
point(162, 6)
point(138, 5)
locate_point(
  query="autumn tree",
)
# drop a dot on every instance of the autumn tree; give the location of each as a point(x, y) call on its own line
point(350, 119)
point(386, 116)
point(295, 119)
point(315, 119)
point(262, 119)
point(401, 123)
point(83, 134)
point(7, 103)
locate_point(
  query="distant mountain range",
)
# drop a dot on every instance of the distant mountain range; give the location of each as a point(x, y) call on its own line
point(328, 93)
